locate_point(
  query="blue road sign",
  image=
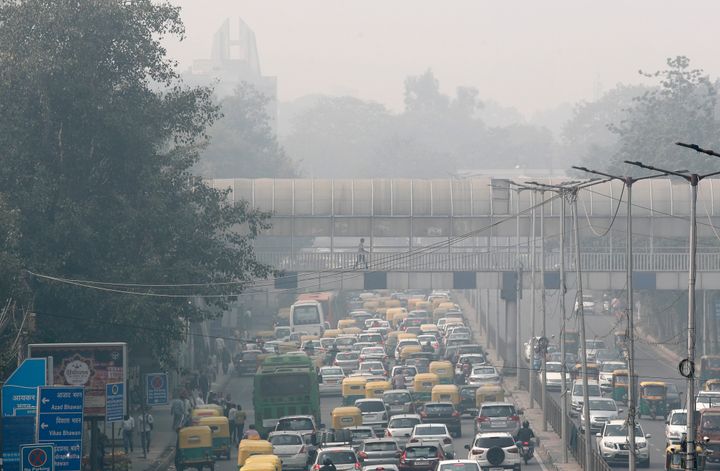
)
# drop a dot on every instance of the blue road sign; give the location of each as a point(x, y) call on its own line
point(156, 389)
point(114, 402)
point(19, 393)
point(38, 457)
point(60, 422)
point(17, 431)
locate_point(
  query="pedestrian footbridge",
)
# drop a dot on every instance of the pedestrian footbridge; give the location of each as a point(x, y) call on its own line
point(466, 233)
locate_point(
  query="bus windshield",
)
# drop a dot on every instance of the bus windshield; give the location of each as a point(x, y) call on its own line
point(304, 315)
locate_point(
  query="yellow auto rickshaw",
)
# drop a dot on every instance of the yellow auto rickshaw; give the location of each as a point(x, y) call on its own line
point(423, 306)
point(220, 434)
point(347, 416)
point(331, 333)
point(195, 448)
point(653, 399)
point(391, 303)
point(448, 306)
point(201, 412)
point(345, 323)
point(248, 448)
point(620, 382)
point(675, 458)
point(446, 393)
point(408, 350)
point(712, 385)
point(489, 393)
point(593, 371)
point(371, 305)
point(375, 389)
point(353, 388)
point(429, 329)
point(352, 330)
point(391, 341)
point(406, 336)
point(444, 370)
point(439, 314)
point(399, 317)
point(423, 384)
point(263, 463)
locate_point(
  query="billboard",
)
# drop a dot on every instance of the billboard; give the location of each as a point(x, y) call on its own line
point(91, 365)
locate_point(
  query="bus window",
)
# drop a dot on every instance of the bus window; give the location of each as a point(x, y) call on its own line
point(304, 315)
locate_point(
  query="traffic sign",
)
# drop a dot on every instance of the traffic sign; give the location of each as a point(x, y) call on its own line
point(60, 422)
point(114, 402)
point(156, 389)
point(38, 457)
point(19, 393)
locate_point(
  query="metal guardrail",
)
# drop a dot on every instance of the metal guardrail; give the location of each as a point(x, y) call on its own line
point(418, 261)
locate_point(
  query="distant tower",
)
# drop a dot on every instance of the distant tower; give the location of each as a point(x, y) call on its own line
point(231, 62)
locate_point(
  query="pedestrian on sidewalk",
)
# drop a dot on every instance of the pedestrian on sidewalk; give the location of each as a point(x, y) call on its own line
point(361, 252)
point(177, 410)
point(225, 356)
point(128, 426)
point(204, 384)
point(145, 425)
point(232, 415)
point(240, 417)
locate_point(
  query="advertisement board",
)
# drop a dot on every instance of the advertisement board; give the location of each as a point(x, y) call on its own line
point(90, 365)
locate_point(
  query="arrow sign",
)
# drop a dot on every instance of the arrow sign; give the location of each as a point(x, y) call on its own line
point(60, 422)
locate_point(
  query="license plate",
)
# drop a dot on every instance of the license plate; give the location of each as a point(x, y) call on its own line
point(497, 469)
point(497, 424)
point(422, 463)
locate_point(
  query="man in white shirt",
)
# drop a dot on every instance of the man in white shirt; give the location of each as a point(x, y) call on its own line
point(128, 426)
point(232, 414)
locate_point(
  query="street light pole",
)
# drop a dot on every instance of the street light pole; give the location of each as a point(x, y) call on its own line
point(542, 307)
point(531, 375)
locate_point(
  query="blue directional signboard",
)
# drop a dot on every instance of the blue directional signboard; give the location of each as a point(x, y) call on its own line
point(114, 402)
point(156, 389)
point(38, 457)
point(60, 422)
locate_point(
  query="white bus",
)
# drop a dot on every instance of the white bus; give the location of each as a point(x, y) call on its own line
point(307, 316)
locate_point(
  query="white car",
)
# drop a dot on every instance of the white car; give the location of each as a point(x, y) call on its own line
point(554, 375)
point(613, 445)
point(495, 451)
point(602, 410)
point(425, 338)
point(588, 304)
point(291, 448)
point(706, 399)
point(404, 343)
point(475, 359)
point(331, 378)
point(484, 374)
point(437, 432)
point(591, 348)
point(373, 412)
point(675, 426)
point(576, 395)
point(458, 465)
point(373, 353)
point(373, 368)
point(606, 371)
point(400, 427)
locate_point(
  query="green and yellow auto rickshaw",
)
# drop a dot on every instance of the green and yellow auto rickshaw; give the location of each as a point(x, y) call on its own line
point(620, 383)
point(195, 448)
point(353, 388)
point(220, 434)
point(653, 399)
point(422, 386)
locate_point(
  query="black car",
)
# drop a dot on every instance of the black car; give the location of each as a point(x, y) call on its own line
point(247, 362)
point(421, 456)
point(442, 413)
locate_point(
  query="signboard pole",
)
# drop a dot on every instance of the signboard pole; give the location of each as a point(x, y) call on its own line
point(113, 446)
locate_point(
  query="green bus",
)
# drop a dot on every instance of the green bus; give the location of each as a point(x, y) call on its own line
point(285, 385)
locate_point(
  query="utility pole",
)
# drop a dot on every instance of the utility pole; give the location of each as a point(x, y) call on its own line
point(542, 308)
point(632, 391)
point(531, 382)
point(518, 287)
point(687, 366)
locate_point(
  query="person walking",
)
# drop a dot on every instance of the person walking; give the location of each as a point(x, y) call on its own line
point(204, 384)
point(128, 426)
point(361, 254)
point(145, 425)
point(240, 417)
point(231, 415)
point(177, 410)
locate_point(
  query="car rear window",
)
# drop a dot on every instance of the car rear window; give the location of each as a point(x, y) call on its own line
point(362, 433)
point(344, 341)
point(403, 422)
point(380, 446)
point(338, 457)
point(439, 409)
point(497, 411)
point(347, 356)
point(397, 398)
point(419, 452)
point(295, 424)
point(459, 467)
point(431, 430)
point(279, 440)
point(370, 406)
point(490, 442)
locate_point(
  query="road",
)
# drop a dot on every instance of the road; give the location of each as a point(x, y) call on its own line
point(648, 363)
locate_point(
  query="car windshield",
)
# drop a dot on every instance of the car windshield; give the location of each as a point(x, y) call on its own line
point(419, 452)
point(610, 367)
point(371, 365)
point(595, 344)
point(672, 388)
point(472, 359)
point(593, 390)
point(295, 424)
point(381, 446)
point(373, 351)
point(338, 457)
point(710, 421)
point(602, 405)
point(347, 356)
point(484, 370)
point(679, 418)
point(654, 390)
point(361, 434)
point(370, 406)
point(459, 467)
point(332, 371)
point(344, 341)
point(431, 430)
point(708, 399)
point(279, 440)
point(620, 430)
point(397, 397)
point(498, 411)
point(439, 409)
point(491, 442)
point(403, 422)
point(553, 367)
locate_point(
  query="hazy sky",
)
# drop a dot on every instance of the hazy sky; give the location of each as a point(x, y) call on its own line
point(529, 54)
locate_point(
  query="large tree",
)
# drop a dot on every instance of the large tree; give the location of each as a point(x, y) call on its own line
point(97, 139)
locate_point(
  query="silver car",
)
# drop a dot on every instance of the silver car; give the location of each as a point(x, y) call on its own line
point(348, 361)
point(398, 401)
point(291, 448)
point(401, 426)
point(344, 458)
point(602, 410)
point(379, 451)
point(331, 378)
point(498, 417)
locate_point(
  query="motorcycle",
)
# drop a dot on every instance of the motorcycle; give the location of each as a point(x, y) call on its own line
point(526, 450)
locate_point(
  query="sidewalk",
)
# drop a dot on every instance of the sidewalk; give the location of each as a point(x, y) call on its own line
point(550, 446)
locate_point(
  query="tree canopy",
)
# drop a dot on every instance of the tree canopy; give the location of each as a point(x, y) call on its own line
point(98, 138)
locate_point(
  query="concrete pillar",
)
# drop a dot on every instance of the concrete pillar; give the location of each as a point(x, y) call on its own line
point(511, 319)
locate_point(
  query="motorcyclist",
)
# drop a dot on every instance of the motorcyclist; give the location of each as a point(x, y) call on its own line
point(526, 435)
point(427, 348)
point(328, 465)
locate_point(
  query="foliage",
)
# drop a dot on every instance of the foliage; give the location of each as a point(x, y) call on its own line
point(242, 141)
point(98, 138)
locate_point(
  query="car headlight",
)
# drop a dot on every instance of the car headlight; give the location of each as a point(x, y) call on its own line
point(609, 446)
point(642, 445)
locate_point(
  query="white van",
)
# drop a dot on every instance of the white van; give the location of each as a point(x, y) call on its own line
point(307, 316)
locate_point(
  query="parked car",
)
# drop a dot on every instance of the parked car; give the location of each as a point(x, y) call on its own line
point(498, 417)
point(675, 426)
point(442, 413)
point(495, 450)
point(400, 427)
point(291, 448)
point(613, 446)
point(422, 455)
point(331, 378)
point(379, 451)
point(344, 458)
